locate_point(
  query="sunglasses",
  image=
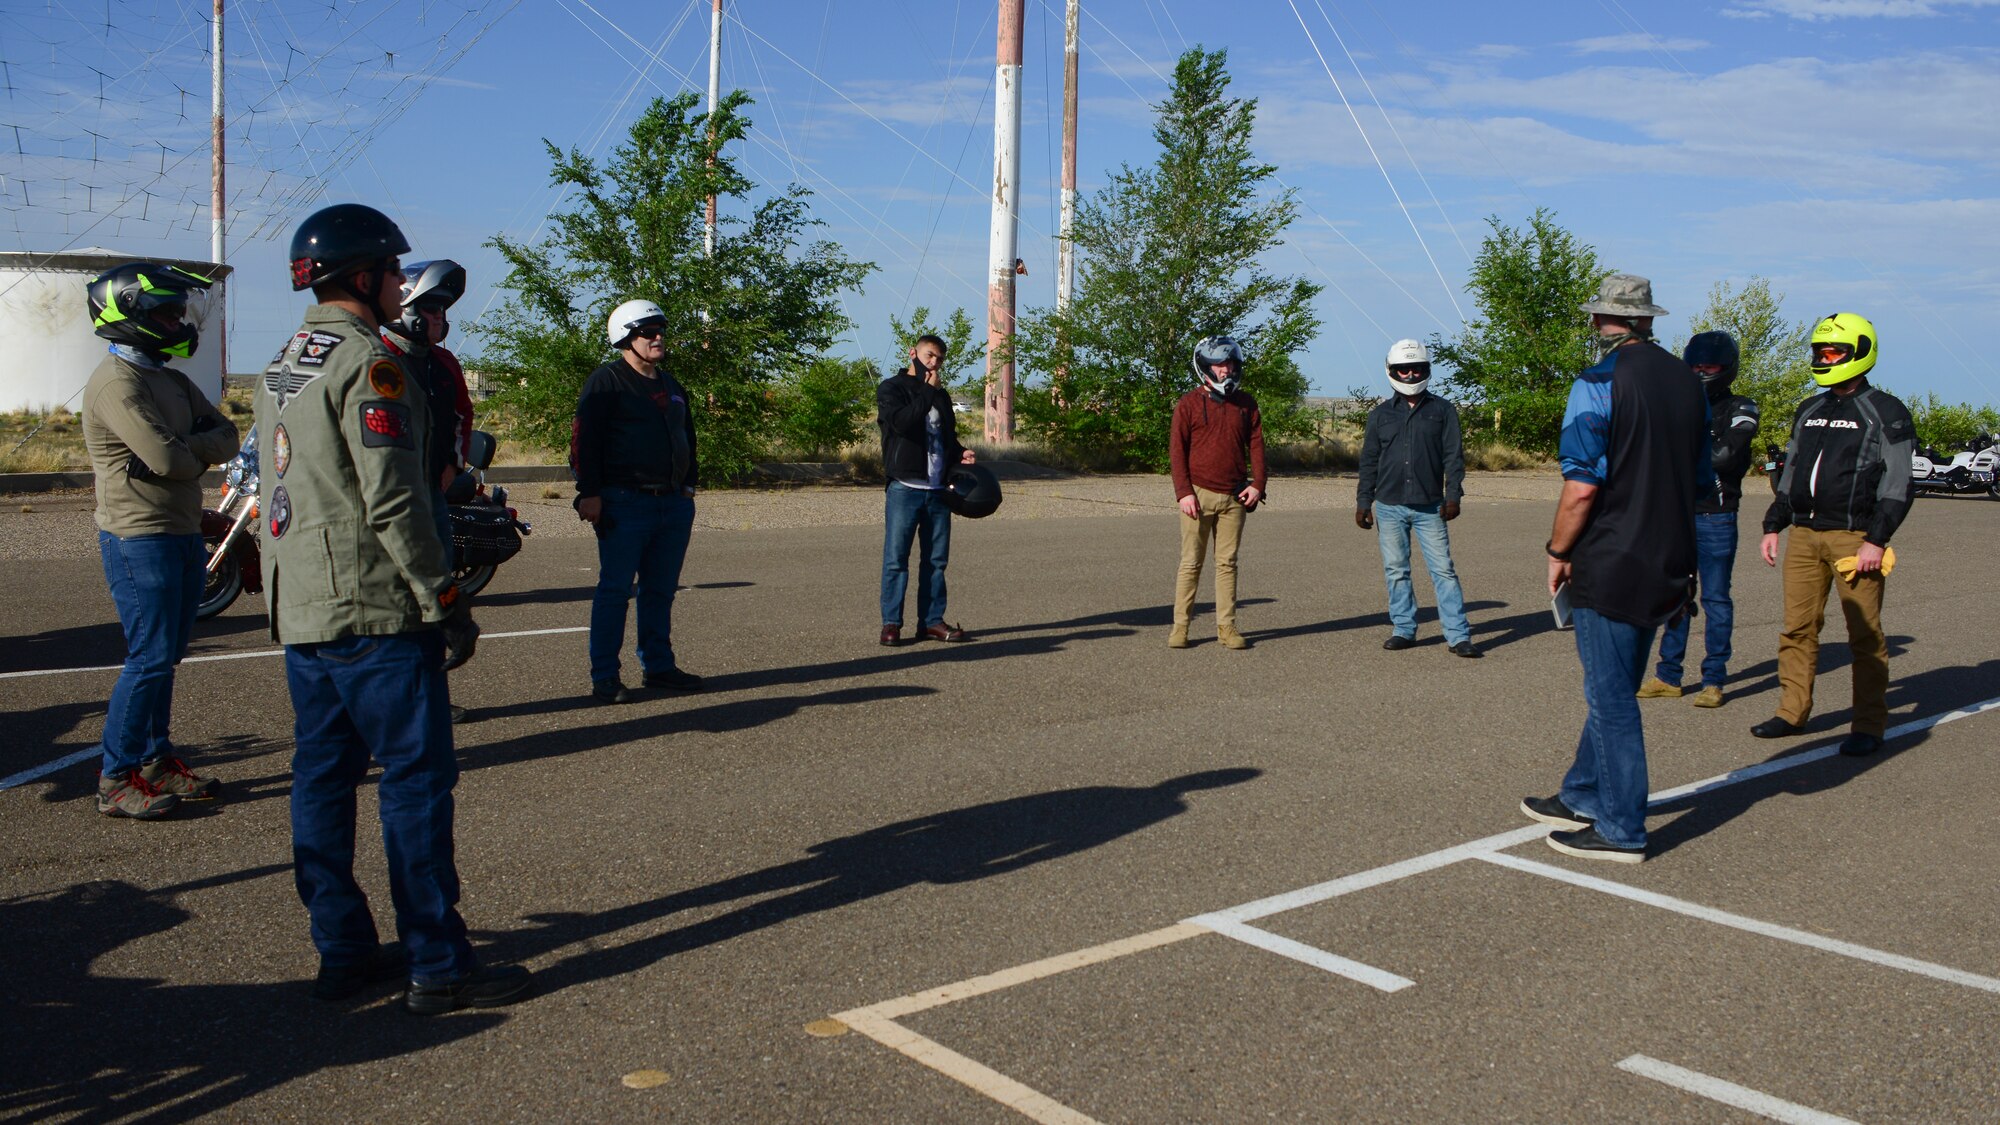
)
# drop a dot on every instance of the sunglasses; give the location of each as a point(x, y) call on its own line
point(650, 331)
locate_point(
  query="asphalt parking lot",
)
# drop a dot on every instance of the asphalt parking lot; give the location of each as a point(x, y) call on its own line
point(1060, 872)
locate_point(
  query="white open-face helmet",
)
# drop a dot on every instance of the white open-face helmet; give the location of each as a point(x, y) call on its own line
point(1213, 358)
point(631, 315)
point(1409, 366)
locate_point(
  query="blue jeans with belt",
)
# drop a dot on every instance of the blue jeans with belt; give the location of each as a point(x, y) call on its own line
point(919, 514)
point(156, 583)
point(1394, 524)
point(1715, 557)
point(1608, 780)
point(379, 698)
point(644, 535)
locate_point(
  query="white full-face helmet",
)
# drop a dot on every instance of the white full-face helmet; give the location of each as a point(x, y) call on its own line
point(629, 316)
point(1409, 366)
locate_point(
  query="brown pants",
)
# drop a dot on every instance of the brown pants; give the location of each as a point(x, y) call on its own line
point(1221, 517)
point(1808, 570)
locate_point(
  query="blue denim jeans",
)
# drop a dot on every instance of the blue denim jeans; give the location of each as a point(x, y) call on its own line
point(1608, 781)
point(381, 698)
point(1715, 557)
point(1393, 527)
point(644, 536)
point(920, 514)
point(156, 583)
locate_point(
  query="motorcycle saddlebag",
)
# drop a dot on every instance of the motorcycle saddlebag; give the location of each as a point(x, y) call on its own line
point(483, 538)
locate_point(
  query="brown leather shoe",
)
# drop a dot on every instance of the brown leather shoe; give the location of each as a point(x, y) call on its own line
point(892, 635)
point(943, 632)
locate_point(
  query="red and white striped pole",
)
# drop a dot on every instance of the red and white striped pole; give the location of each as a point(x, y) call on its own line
point(1001, 244)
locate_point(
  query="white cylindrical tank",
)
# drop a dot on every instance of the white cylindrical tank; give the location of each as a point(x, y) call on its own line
point(47, 348)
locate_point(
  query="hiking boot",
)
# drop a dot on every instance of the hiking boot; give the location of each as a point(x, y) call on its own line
point(1551, 810)
point(338, 981)
point(673, 679)
point(1585, 843)
point(1177, 637)
point(1657, 688)
point(133, 796)
point(171, 775)
point(610, 691)
point(1708, 696)
point(1397, 642)
point(1230, 638)
point(484, 987)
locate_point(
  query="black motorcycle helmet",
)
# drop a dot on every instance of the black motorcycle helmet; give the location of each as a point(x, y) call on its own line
point(124, 298)
point(1716, 348)
point(438, 284)
point(336, 242)
point(972, 491)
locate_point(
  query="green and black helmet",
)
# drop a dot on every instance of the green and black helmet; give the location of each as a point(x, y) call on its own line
point(129, 304)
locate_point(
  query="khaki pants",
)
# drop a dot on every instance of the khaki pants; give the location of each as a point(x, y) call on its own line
point(1808, 570)
point(1221, 518)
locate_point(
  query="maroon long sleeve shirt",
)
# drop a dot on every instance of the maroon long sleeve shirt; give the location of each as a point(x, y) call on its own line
point(1209, 440)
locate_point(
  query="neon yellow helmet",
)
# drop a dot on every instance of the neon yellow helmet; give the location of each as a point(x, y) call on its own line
point(1843, 346)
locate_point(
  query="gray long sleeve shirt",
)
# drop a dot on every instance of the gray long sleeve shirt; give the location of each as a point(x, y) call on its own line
point(1412, 453)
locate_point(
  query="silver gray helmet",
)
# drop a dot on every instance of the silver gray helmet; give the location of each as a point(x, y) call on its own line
point(1214, 352)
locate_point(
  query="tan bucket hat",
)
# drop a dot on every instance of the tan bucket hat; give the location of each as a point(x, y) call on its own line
point(1624, 294)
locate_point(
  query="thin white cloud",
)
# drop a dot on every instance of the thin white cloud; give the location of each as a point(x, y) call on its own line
point(1817, 10)
point(1497, 51)
point(1634, 43)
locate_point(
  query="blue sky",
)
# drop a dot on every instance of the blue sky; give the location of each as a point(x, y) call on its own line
point(1844, 149)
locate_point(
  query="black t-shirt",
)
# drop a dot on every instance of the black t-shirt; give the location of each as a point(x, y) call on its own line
point(1635, 561)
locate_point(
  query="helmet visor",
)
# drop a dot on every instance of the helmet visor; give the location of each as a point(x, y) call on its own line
point(1831, 353)
point(1410, 372)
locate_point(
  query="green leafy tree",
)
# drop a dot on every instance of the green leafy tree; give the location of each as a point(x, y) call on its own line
point(1513, 366)
point(1774, 365)
point(1951, 426)
point(757, 312)
point(963, 357)
point(1168, 254)
point(825, 405)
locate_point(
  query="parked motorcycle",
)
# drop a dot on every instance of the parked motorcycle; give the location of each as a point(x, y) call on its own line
point(1972, 470)
point(485, 532)
point(233, 561)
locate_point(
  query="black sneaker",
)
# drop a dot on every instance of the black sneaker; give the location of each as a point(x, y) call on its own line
point(610, 691)
point(1775, 727)
point(485, 987)
point(1551, 810)
point(1585, 843)
point(1465, 649)
point(457, 714)
point(1858, 745)
point(674, 679)
point(1397, 642)
point(340, 981)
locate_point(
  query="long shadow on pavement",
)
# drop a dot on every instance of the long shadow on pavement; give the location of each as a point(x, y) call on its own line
point(1925, 694)
point(1832, 654)
point(103, 643)
point(1425, 615)
point(957, 846)
point(93, 1048)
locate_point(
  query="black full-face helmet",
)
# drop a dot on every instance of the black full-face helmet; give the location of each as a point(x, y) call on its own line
point(124, 300)
point(335, 242)
point(972, 491)
point(1713, 348)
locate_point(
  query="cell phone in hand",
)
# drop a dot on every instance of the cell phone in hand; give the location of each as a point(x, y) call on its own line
point(1559, 606)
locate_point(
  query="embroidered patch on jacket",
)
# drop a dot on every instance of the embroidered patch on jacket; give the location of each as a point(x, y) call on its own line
point(281, 512)
point(318, 346)
point(386, 424)
point(281, 449)
point(386, 378)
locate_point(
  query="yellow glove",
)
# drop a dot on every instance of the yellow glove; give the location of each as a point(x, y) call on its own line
point(1846, 566)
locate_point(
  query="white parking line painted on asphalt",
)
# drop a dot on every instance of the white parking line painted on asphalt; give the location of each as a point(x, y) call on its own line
point(1749, 925)
point(1318, 958)
point(264, 652)
point(1728, 1093)
point(1374, 877)
point(68, 760)
point(1022, 974)
point(1022, 1099)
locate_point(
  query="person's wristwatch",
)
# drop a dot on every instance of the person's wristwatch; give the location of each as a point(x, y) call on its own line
point(1550, 547)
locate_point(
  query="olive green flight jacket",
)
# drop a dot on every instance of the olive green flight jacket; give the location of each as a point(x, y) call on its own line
point(148, 414)
point(350, 546)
